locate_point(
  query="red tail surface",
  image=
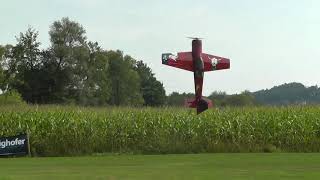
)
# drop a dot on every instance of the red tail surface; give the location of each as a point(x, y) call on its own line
point(201, 104)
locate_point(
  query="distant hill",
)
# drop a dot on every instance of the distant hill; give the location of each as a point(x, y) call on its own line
point(289, 93)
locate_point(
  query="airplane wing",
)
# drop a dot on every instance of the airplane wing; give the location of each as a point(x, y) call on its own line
point(183, 60)
point(213, 63)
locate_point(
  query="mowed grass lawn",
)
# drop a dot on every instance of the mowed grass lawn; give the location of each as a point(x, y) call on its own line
point(186, 166)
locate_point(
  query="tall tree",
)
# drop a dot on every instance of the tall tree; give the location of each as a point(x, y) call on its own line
point(152, 90)
point(96, 89)
point(23, 65)
point(6, 64)
point(2, 75)
point(125, 81)
point(70, 55)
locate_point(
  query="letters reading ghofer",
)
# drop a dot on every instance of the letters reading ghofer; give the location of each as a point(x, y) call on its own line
point(7, 143)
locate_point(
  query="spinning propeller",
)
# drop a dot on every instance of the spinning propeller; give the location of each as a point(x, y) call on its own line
point(194, 38)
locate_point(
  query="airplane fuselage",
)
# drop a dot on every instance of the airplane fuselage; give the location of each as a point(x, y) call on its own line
point(198, 66)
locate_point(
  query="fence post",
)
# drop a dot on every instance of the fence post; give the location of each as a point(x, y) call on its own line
point(29, 148)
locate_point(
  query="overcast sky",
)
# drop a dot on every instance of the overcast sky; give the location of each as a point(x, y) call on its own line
point(269, 42)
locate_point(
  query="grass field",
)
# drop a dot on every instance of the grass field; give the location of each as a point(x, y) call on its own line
point(187, 166)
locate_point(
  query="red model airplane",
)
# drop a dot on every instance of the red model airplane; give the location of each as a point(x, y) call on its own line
point(197, 62)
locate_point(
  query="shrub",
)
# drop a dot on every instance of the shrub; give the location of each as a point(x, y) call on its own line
point(11, 98)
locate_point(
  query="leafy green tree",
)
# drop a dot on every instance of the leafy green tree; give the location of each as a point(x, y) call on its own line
point(125, 81)
point(244, 99)
point(6, 64)
point(96, 90)
point(70, 57)
point(23, 63)
point(11, 98)
point(2, 75)
point(313, 96)
point(152, 90)
point(177, 99)
point(218, 98)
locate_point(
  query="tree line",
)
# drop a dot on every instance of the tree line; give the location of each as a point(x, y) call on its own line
point(75, 70)
point(289, 93)
point(286, 94)
point(219, 99)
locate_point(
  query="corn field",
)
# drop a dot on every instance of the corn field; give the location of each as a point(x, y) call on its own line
point(63, 130)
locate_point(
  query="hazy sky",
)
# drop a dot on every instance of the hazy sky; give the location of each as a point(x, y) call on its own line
point(269, 42)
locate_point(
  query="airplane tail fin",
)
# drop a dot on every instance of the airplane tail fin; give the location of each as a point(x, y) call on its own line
point(201, 104)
